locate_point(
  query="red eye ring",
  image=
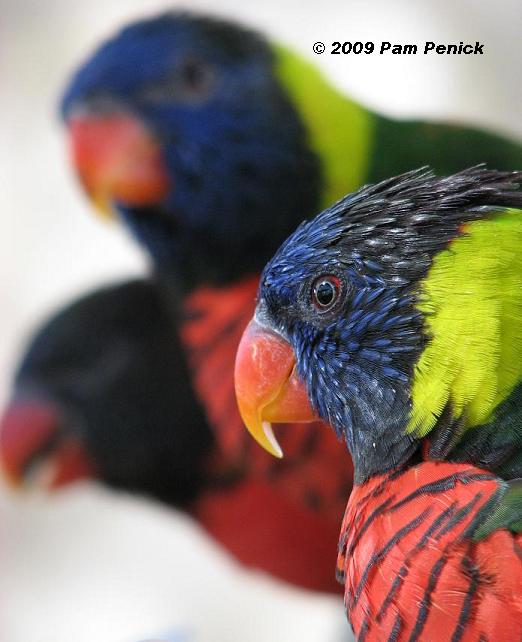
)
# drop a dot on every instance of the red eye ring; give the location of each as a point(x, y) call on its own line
point(326, 291)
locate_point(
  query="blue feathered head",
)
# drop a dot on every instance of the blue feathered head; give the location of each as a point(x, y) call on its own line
point(341, 320)
point(180, 125)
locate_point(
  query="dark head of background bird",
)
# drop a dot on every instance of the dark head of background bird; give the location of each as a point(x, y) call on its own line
point(342, 295)
point(179, 123)
point(102, 391)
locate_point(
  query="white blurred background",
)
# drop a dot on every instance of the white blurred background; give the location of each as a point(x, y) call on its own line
point(93, 566)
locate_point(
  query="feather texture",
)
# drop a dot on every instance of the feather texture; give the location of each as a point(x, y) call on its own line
point(472, 302)
point(411, 569)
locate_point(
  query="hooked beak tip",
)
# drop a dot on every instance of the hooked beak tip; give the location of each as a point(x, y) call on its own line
point(269, 434)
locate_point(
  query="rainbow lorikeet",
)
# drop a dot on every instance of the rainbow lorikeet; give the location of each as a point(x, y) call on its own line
point(397, 314)
point(212, 143)
point(104, 391)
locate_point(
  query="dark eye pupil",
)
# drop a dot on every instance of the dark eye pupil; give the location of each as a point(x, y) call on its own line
point(194, 74)
point(324, 293)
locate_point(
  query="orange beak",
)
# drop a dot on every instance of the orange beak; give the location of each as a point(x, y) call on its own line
point(117, 159)
point(34, 446)
point(268, 389)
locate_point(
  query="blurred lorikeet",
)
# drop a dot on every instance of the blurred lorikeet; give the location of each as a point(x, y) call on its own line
point(104, 391)
point(397, 313)
point(212, 143)
point(93, 396)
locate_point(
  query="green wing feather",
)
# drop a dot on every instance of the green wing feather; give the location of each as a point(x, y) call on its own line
point(399, 146)
point(497, 444)
point(504, 511)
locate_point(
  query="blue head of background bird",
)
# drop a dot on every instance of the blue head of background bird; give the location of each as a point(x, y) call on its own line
point(179, 124)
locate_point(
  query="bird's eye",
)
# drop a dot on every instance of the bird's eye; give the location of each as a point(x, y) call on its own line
point(196, 75)
point(325, 292)
point(191, 82)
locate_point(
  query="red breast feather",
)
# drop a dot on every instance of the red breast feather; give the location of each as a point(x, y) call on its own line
point(410, 571)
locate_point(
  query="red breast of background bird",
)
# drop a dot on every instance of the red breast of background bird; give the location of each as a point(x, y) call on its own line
point(284, 515)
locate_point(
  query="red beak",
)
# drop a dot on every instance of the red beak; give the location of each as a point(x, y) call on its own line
point(117, 159)
point(31, 436)
point(268, 388)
